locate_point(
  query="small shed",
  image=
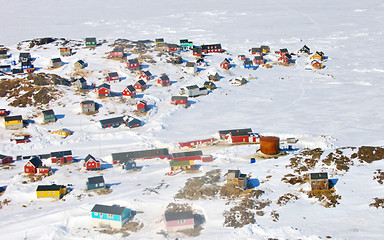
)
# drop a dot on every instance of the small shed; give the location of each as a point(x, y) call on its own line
point(25, 57)
point(214, 77)
point(88, 106)
point(103, 90)
point(80, 64)
point(265, 48)
point(95, 183)
point(129, 164)
point(258, 60)
point(164, 80)
point(31, 166)
point(196, 51)
point(236, 178)
point(179, 100)
point(178, 221)
point(146, 75)
point(304, 50)
point(257, 51)
point(142, 106)
point(209, 85)
point(49, 116)
point(225, 64)
point(248, 64)
point(62, 157)
point(56, 63)
point(65, 51)
point(5, 159)
point(191, 68)
point(133, 64)
point(3, 53)
point(81, 83)
point(117, 52)
point(319, 181)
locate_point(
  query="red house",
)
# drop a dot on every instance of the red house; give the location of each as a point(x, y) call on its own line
point(187, 156)
point(91, 163)
point(163, 80)
point(146, 76)
point(225, 64)
point(129, 91)
point(103, 90)
point(258, 60)
point(31, 166)
point(173, 48)
point(196, 142)
point(243, 137)
point(211, 48)
point(5, 159)
point(140, 86)
point(62, 157)
point(179, 100)
point(3, 112)
point(112, 77)
point(133, 64)
point(142, 106)
point(257, 51)
point(197, 51)
point(117, 53)
point(285, 59)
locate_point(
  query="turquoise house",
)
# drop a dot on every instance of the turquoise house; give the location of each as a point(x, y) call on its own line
point(113, 216)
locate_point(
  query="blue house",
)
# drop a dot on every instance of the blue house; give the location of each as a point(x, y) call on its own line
point(95, 183)
point(110, 216)
point(5, 68)
point(248, 64)
point(129, 164)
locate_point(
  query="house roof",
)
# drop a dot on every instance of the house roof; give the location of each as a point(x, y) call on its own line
point(159, 40)
point(5, 66)
point(112, 120)
point(172, 216)
point(215, 46)
point(133, 61)
point(95, 180)
point(191, 87)
point(248, 62)
point(236, 172)
point(36, 162)
point(172, 45)
point(225, 132)
point(82, 80)
point(27, 63)
point(187, 154)
point(264, 47)
point(48, 112)
point(197, 50)
point(257, 49)
point(164, 77)
point(152, 153)
point(118, 49)
point(114, 209)
point(183, 41)
point(283, 50)
point(179, 98)
point(90, 157)
point(130, 88)
point(25, 55)
point(2, 156)
point(190, 64)
point(147, 73)
point(86, 102)
point(316, 176)
point(141, 82)
point(13, 118)
point(91, 39)
point(52, 187)
point(61, 153)
point(104, 85)
point(258, 58)
point(3, 51)
point(81, 62)
point(113, 74)
point(55, 60)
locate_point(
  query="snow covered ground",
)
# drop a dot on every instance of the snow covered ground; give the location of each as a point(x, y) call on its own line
point(333, 107)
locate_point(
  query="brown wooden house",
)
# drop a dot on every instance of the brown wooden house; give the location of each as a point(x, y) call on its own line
point(319, 181)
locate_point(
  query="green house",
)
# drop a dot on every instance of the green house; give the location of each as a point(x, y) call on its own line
point(185, 44)
point(49, 116)
point(90, 42)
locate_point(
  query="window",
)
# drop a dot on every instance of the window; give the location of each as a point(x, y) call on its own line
point(27, 170)
point(110, 215)
point(181, 221)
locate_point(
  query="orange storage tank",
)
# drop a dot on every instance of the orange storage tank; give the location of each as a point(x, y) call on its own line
point(270, 145)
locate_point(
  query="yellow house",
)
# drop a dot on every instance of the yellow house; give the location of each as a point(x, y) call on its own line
point(13, 122)
point(62, 132)
point(181, 165)
point(51, 191)
point(318, 56)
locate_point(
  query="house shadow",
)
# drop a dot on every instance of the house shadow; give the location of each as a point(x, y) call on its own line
point(199, 69)
point(109, 185)
point(98, 106)
point(54, 170)
point(172, 82)
point(332, 182)
point(7, 113)
point(199, 219)
point(59, 116)
point(122, 78)
point(33, 59)
point(37, 68)
point(28, 122)
point(252, 183)
point(256, 67)
point(2, 189)
point(144, 66)
point(325, 58)
point(106, 166)
point(191, 102)
point(65, 63)
point(140, 95)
